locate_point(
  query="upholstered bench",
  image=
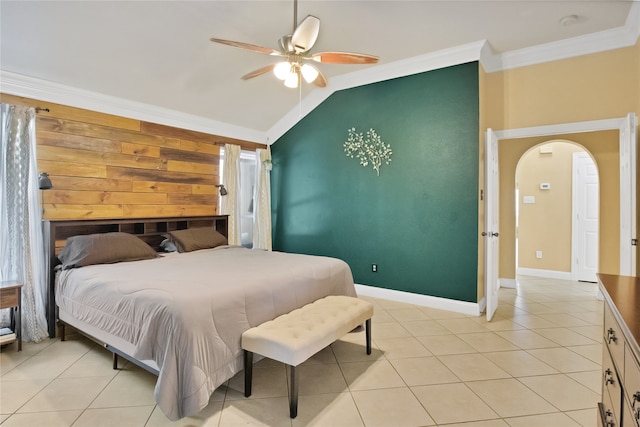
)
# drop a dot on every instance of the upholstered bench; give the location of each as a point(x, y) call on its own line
point(294, 337)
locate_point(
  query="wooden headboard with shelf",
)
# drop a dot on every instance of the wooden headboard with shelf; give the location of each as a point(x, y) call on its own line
point(151, 230)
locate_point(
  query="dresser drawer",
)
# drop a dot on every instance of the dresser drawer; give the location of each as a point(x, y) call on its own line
point(9, 298)
point(629, 416)
point(606, 416)
point(614, 339)
point(611, 387)
point(632, 382)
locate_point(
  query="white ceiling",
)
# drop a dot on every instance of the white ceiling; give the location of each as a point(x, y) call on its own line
point(158, 52)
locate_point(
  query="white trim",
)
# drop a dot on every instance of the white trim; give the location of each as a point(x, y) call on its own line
point(46, 91)
point(464, 307)
point(547, 274)
point(562, 128)
point(406, 67)
point(490, 61)
point(508, 283)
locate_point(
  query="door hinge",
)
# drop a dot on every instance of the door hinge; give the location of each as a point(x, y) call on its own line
point(634, 242)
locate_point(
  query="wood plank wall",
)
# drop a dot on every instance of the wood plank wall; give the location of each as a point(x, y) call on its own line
point(105, 166)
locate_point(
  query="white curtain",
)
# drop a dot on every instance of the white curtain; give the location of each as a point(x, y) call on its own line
point(262, 201)
point(230, 204)
point(21, 244)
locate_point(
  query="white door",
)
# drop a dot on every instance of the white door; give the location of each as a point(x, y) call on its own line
point(586, 190)
point(628, 138)
point(491, 189)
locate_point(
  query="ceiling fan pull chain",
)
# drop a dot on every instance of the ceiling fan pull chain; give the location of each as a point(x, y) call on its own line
point(300, 100)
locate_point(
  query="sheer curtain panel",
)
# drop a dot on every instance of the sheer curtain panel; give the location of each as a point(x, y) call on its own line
point(230, 204)
point(262, 201)
point(21, 245)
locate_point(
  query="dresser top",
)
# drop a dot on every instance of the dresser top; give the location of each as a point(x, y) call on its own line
point(623, 293)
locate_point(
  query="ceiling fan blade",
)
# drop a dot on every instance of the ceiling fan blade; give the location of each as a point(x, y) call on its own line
point(259, 71)
point(306, 34)
point(320, 81)
point(247, 46)
point(344, 58)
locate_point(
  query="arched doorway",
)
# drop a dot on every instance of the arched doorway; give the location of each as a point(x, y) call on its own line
point(557, 212)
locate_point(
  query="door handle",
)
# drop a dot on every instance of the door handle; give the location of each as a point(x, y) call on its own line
point(490, 234)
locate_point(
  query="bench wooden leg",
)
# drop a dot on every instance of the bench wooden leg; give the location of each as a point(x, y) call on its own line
point(368, 335)
point(293, 392)
point(248, 372)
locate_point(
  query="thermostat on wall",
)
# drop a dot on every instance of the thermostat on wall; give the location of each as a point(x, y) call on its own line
point(545, 186)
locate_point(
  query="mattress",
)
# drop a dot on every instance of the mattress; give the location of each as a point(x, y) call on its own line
point(186, 313)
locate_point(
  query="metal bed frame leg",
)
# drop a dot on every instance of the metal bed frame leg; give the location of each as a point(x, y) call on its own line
point(293, 392)
point(62, 331)
point(115, 361)
point(368, 335)
point(248, 372)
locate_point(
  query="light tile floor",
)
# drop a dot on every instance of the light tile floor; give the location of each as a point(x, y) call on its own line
point(536, 364)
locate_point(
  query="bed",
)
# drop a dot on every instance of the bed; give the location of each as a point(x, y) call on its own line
point(181, 315)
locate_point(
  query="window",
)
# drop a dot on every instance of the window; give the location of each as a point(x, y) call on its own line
point(247, 184)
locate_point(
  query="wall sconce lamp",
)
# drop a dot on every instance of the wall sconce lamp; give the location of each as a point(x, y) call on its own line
point(44, 182)
point(223, 191)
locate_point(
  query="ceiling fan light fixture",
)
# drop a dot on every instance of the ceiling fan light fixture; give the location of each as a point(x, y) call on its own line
point(282, 70)
point(295, 50)
point(309, 73)
point(292, 80)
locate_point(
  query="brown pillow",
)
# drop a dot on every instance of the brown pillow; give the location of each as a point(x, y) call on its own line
point(196, 238)
point(104, 248)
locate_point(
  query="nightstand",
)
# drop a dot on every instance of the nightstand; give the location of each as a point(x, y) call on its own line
point(11, 297)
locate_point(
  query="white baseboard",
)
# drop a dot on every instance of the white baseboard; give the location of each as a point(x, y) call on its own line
point(470, 308)
point(508, 283)
point(547, 274)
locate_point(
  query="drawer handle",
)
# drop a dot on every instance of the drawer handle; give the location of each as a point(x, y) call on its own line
point(608, 377)
point(636, 399)
point(611, 336)
point(609, 419)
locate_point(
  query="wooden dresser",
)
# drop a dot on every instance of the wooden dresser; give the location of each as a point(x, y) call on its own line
point(620, 405)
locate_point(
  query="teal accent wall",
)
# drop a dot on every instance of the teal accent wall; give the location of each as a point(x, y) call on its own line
point(418, 220)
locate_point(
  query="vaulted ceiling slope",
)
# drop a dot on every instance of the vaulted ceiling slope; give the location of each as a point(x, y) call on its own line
point(153, 60)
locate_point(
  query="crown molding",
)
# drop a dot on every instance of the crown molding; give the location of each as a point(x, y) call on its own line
point(601, 41)
point(406, 67)
point(29, 87)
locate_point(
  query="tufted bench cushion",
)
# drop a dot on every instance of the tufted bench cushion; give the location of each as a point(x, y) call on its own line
point(294, 337)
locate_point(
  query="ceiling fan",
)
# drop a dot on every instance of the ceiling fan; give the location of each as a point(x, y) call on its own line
point(295, 48)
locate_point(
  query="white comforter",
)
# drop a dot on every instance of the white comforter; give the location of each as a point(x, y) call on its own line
point(188, 311)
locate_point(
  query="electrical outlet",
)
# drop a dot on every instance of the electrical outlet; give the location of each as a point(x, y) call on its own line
point(374, 268)
point(539, 254)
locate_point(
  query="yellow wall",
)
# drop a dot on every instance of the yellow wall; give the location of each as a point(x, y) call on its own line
point(591, 87)
point(546, 224)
